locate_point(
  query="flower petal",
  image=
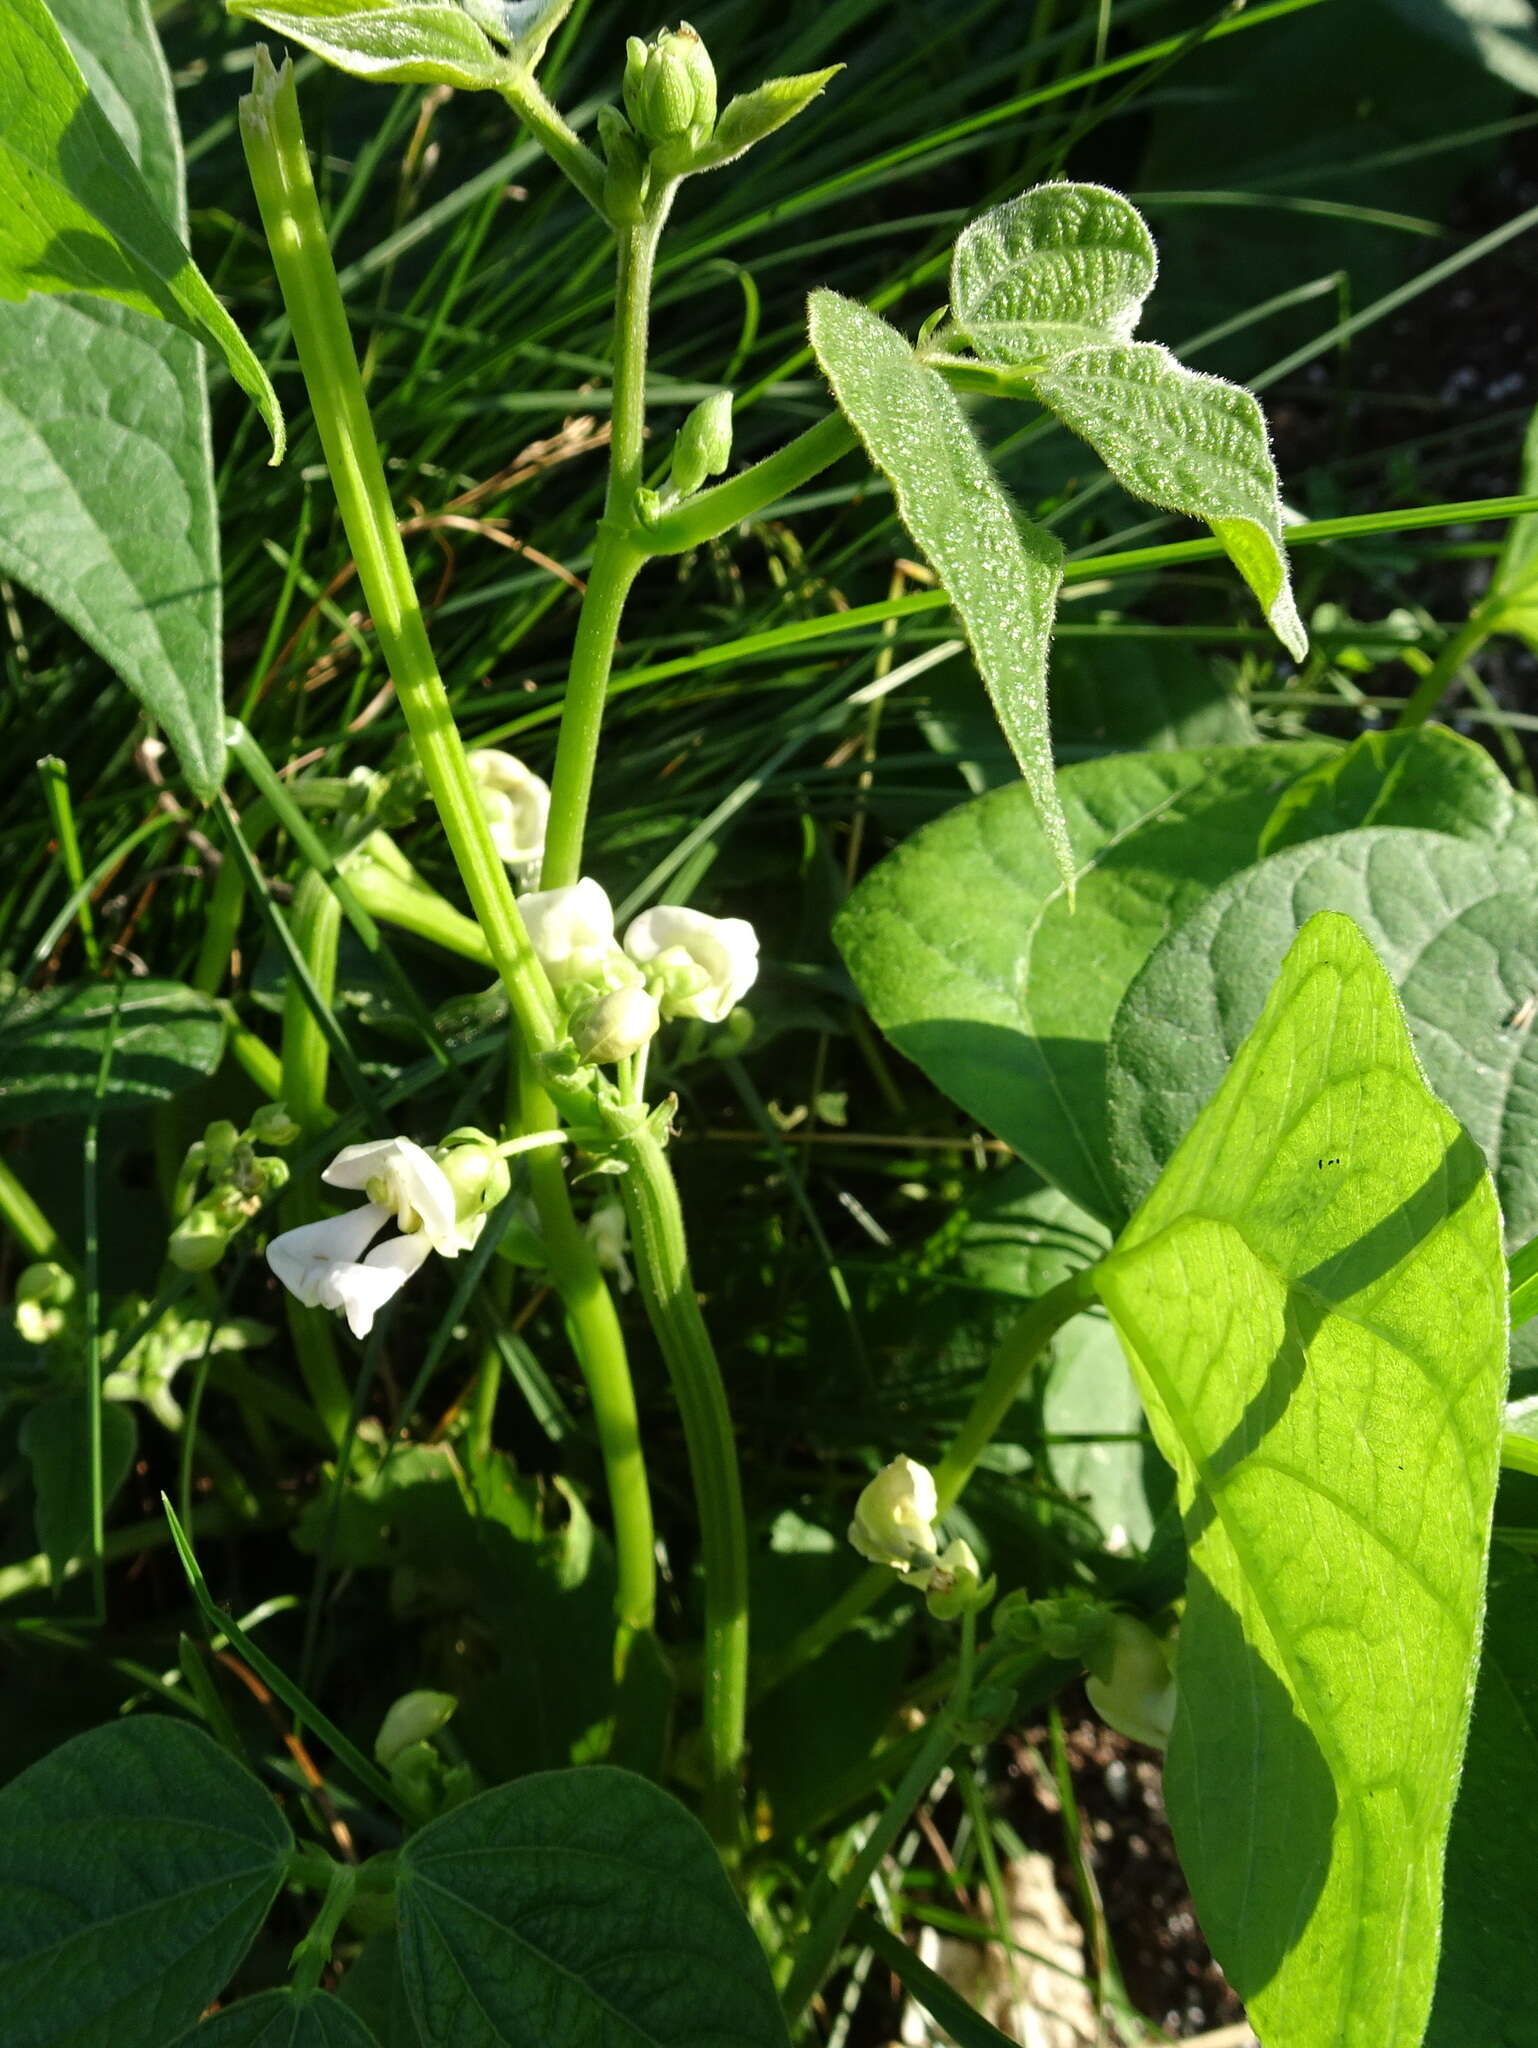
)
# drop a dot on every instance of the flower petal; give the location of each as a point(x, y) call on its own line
point(356, 1165)
point(301, 1257)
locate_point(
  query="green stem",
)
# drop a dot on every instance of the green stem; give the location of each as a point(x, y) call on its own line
point(1423, 700)
point(667, 1287)
point(26, 1220)
point(558, 138)
point(709, 513)
point(313, 1953)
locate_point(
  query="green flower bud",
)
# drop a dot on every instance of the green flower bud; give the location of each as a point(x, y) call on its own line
point(478, 1175)
point(271, 1177)
point(219, 1142)
point(616, 1026)
point(272, 1125)
point(671, 93)
point(200, 1240)
point(704, 444)
point(415, 1717)
point(626, 174)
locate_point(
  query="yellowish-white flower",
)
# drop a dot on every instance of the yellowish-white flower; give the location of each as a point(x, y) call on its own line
point(1131, 1685)
point(327, 1265)
point(517, 806)
point(894, 1518)
point(700, 966)
point(399, 1174)
point(572, 931)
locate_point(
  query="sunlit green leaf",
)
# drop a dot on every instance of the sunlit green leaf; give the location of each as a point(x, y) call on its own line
point(1187, 442)
point(1001, 573)
point(1057, 268)
point(1414, 776)
point(393, 42)
point(1313, 1298)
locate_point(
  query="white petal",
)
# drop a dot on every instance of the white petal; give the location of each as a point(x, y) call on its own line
point(360, 1292)
point(356, 1165)
point(725, 947)
point(570, 925)
point(301, 1258)
point(404, 1255)
point(417, 1182)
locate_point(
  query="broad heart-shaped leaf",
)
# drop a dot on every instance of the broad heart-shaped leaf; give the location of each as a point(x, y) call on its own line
point(1454, 923)
point(1000, 573)
point(1417, 775)
point(106, 471)
point(136, 1864)
point(282, 2019)
point(165, 1037)
point(1484, 1986)
point(393, 42)
point(76, 215)
point(1313, 1299)
point(55, 1436)
point(585, 1908)
point(1190, 443)
point(968, 955)
point(1058, 267)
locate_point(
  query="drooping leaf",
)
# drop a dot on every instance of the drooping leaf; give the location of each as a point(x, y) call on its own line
point(76, 215)
point(1453, 924)
point(136, 1864)
point(1417, 776)
point(583, 1907)
point(965, 949)
point(1000, 573)
point(1059, 267)
point(55, 1435)
point(1313, 1299)
point(282, 2019)
point(1189, 443)
point(165, 1036)
point(1484, 1985)
point(392, 42)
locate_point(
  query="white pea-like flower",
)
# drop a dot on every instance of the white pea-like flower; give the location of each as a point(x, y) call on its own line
point(894, 1517)
point(326, 1265)
point(701, 966)
point(398, 1173)
point(572, 931)
point(517, 806)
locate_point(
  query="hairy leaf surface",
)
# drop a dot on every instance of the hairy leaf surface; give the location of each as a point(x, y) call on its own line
point(1313, 1299)
point(1416, 776)
point(136, 1864)
point(393, 42)
point(1056, 268)
point(1190, 443)
point(1001, 573)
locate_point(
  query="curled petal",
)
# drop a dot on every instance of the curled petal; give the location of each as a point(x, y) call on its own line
point(303, 1258)
point(721, 950)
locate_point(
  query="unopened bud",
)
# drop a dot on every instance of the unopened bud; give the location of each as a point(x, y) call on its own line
point(219, 1142)
point(670, 87)
point(616, 1026)
point(200, 1240)
point(704, 444)
point(272, 1125)
point(626, 175)
point(415, 1717)
point(42, 1293)
point(478, 1174)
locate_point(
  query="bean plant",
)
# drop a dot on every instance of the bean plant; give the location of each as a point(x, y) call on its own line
point(1256, 1016)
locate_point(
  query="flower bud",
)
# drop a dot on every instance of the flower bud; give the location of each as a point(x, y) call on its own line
point(1131, 1685)
point(626, 174)
point(219, 1142)
point(272, 1125)
point(271, 1177)
point(955, 1585)
point(670, 92)
point(200, 1240)
point(704, 444)
point(616, 1026)
point(894, 1517)
point(477, 1173)
point(415, 1717)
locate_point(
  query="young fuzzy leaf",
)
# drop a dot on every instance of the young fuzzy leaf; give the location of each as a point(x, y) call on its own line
point(392, 42)
point(1313, 1300)
point(77, 216)
point(752, 115)
point(1189, 443)
point(1000, 572)
point(1057, 268)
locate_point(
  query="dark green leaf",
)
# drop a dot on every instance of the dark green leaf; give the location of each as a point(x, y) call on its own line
point(393, 42)
point(167, 1037)
point(1417, 776)
point(1001, 574)
point(1057, 268)
point(282, 2019)
point(1500, 34)
point(584, 1908)
point(375, 1990)
point(55, 1436)
point(1313, 1298)
point(136, 1864)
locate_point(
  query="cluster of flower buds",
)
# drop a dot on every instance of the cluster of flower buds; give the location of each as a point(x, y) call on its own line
point(438, 1200)
point(407, 1747)
point(517, 806)
point(673, 963)
point(894, 1524)
point(235, 1179)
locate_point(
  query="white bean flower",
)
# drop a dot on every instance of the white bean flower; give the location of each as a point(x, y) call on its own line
point(701, 966)
point(408, 1180)
point(326, 1265)
point(517, 806)
point(572, 931)
point(894, 1518)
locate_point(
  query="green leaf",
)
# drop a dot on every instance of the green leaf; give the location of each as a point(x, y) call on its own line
point(166, 1038)
point(1313, 1300)
point(943, 2003)
point(751, 116)
point(1059, 267)
point(1189, 443)
point(1416, 776)
point(1484, 1994)
point(1523, 1281)
point(966, 951)
point(1001, 574)
point(580, 1907)
point(55, 1435)
point(282, 2019)
point(392, 42)
point(1452, 923)
point(75, 212)
point(136, 1864)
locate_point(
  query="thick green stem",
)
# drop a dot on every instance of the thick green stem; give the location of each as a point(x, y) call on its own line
point(709, 513)
point(558, 138)
point(667, 1286)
